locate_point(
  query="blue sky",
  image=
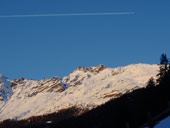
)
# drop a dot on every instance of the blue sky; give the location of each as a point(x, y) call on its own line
point(39, 47)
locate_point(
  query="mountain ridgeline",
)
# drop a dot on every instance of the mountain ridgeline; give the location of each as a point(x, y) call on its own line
point(96, 97)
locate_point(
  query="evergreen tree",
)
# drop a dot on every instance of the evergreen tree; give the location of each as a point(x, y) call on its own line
point(164, 61)
point(150, 83)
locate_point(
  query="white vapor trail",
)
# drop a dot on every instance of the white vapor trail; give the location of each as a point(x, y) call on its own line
point(71, 14)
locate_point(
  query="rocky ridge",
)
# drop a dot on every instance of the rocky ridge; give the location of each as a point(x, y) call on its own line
point(84, 88)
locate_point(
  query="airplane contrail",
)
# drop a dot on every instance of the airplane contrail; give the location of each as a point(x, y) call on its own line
point(71, 14)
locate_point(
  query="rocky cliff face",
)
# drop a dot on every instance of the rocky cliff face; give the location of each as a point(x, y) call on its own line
point(31, 88)
point(84, 88)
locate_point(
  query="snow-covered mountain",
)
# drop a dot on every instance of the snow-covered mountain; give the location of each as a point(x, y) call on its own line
point(83, 88)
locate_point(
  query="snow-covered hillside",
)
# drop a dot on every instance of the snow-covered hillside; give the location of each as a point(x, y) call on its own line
point(5, 90)
point(83, 88)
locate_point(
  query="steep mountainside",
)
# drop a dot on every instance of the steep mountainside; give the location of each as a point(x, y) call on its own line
point(5, 90)
point(83, 88)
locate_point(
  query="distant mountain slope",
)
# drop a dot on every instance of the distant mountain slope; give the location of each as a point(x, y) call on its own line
point(5, 90)
point(83, 88)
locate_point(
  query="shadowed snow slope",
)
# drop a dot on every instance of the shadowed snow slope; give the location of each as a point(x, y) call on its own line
point(83, 88)
point(5, 90)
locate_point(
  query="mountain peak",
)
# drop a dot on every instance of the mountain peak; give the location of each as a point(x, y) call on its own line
point(2, 76)
point(5, 89)
point(95, 69)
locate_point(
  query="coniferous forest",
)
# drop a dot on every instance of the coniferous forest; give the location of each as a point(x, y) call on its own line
point(140, 108)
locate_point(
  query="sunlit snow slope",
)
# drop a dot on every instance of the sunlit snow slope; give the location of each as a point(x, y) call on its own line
point(83, 88)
